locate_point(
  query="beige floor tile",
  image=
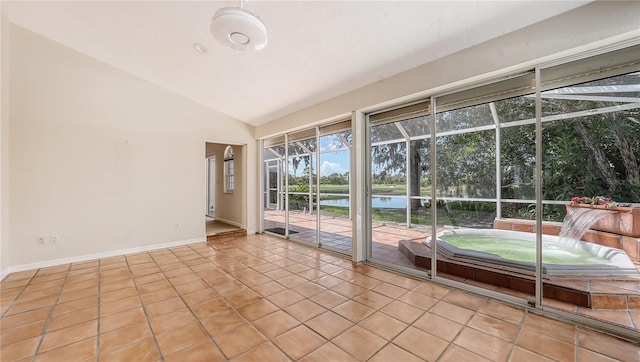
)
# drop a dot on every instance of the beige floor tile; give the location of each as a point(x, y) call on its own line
point(346, 275)
point(164, 307)
point(223, 321)
point(520, 354)
point(494, 326)
point(373, 299)
point(85, 284)
point(366, 282)
point(353, 311)
point(167, 322)
point(153, 286)
point(431, 289)
point(238, 340)
point(328, 299)
point(312, 274)
point(158, 296)
point(418, 300)
point(308, 289)
point(201, 296)
point(329, 324)
point(243, 297)
point(402, 311)
point(257, 310)
point(483, 344)
point(24, 306)
point(419, 343)
point(464, 299)
point(180, 338)
point(119, 305)
point(292, 281)
point(68, 335)
point(77, 294)
point(607, 345)
point(359, 342)
point(545, 345)
point(329, 281)
point(75, 305)
point(391, 352)
point(304, 310)
point(79, 351)
point(265, 352)
point(383, 325)
point(65, 320)
point(107, 284)
point(191, 287)
point(557, 329)
point(29, 317)
point(438, 326)
point(390, 290)
point(349, 290)
point(404, 282)
point(453, 312)
point(19, 350)
point(205, 310)
point(503, 312)
point(590, 356)
point(299, 342)
point(22, 332)
point(329, 352)
point(457, 354)
point(117, 295)
point(204, 351)
point(148, 279)
point(275, 323)
point(269, 288)
point(119, 320)
point(192, 293)
point(145, 350)
point(285, 298)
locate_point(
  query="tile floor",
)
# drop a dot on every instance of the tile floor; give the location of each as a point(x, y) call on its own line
point(264, 298)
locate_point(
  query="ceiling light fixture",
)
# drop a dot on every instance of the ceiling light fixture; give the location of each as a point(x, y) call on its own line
point(238, 29)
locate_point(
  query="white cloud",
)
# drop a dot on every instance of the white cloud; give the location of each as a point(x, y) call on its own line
point(327, 168)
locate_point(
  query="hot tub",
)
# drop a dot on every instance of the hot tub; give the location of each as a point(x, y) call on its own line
point(516, 249)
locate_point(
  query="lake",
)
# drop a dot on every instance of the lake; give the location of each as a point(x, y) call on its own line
point(376, 202)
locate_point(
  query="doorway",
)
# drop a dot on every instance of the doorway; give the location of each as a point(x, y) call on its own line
point(211, 187)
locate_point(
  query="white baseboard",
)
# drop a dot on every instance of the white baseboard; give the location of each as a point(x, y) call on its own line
point(3, 273)
point(229, 222)
point(102, 255)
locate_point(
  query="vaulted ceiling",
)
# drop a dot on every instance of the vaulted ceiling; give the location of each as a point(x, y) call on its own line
point(316, 50)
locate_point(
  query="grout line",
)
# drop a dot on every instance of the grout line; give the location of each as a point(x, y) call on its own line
point(53, 309)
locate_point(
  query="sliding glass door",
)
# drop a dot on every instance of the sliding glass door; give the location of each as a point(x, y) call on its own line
point(334, 199)
point(301, 191)
point(306, 186)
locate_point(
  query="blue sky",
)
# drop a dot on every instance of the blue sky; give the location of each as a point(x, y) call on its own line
point(332, 162)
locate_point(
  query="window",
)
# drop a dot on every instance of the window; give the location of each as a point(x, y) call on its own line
point(229, 180)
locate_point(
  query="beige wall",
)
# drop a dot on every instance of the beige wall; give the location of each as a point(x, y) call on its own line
point(229, 206)
point(103, 159)
point(583, 26)
point(4, 144)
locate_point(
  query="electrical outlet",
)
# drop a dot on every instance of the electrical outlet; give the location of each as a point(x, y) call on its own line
point(40, 240)
point(53, 239)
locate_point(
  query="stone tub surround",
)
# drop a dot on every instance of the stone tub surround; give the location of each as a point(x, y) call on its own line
point(262, 298)
point(582, 291)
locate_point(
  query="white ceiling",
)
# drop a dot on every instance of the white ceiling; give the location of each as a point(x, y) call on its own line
point(316, 51)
